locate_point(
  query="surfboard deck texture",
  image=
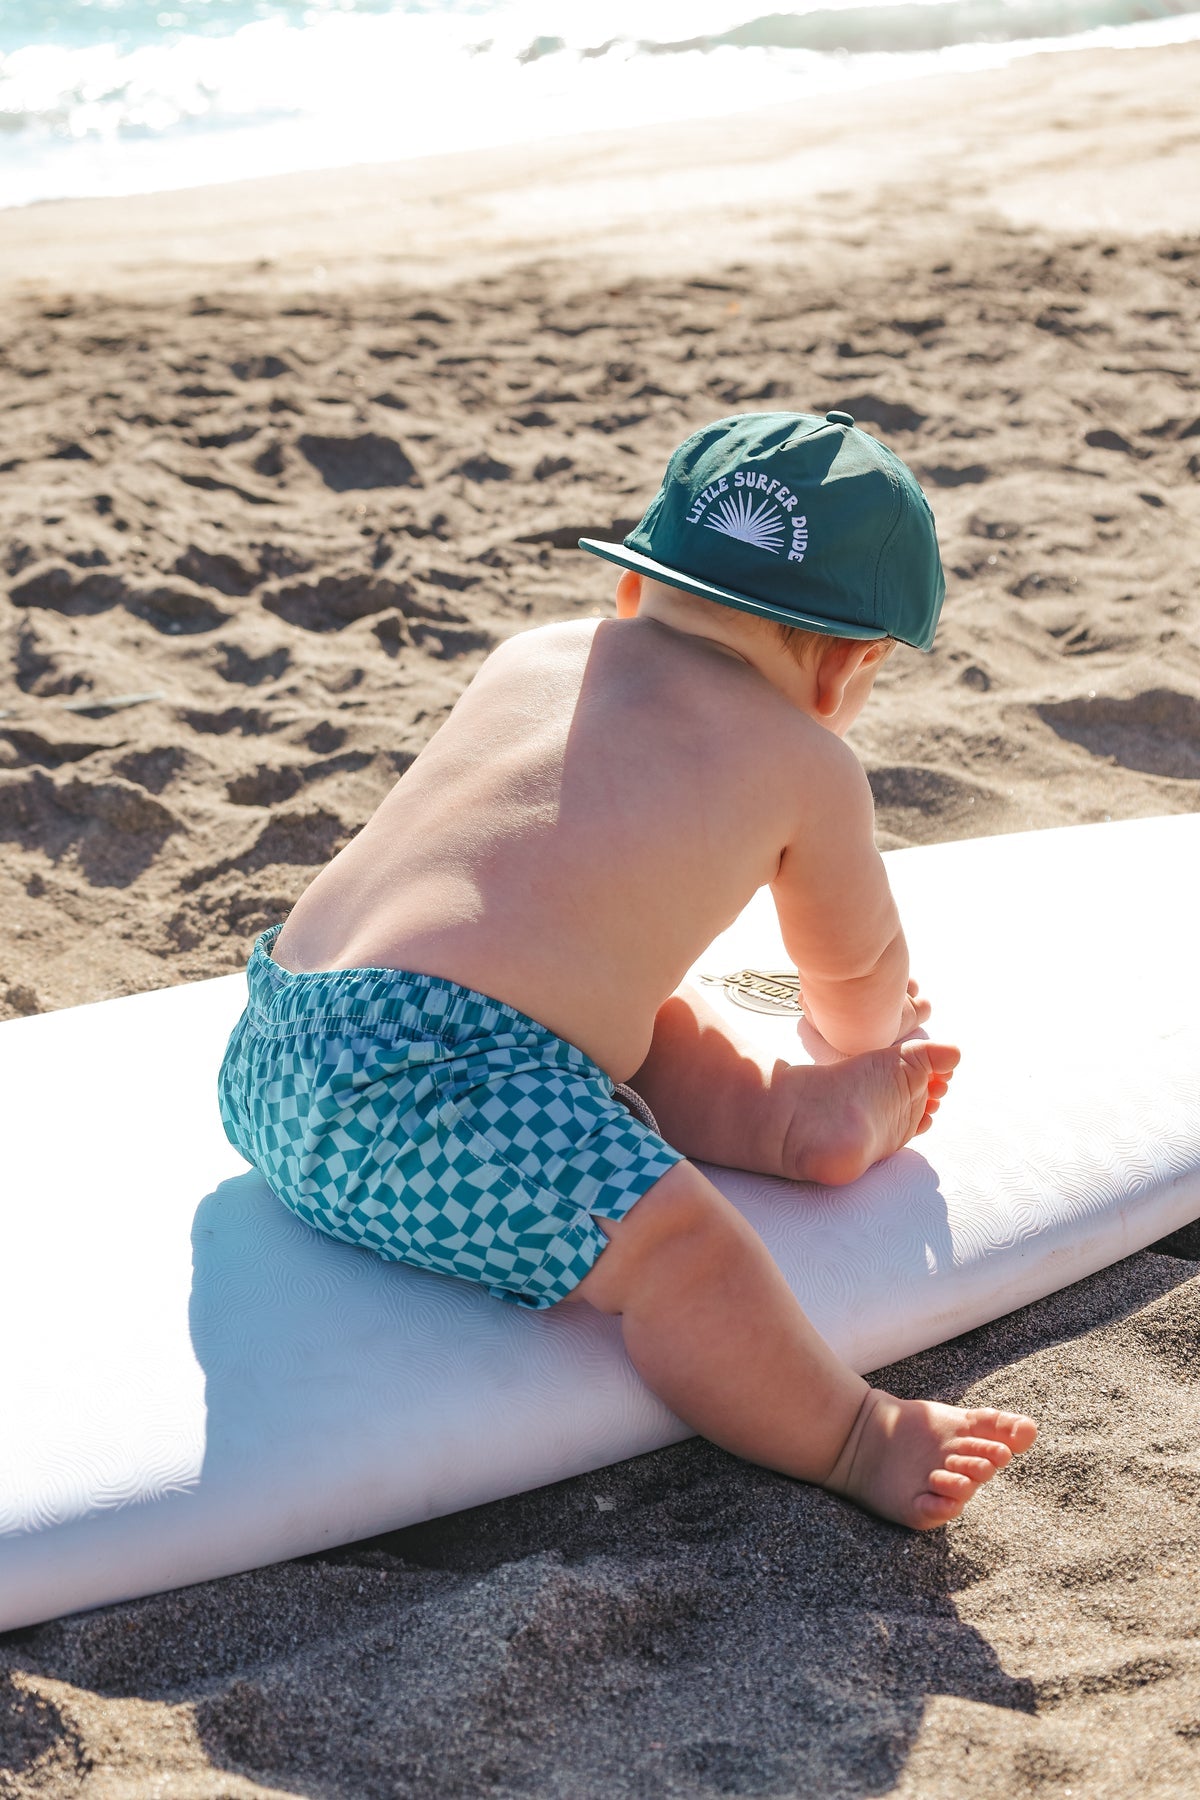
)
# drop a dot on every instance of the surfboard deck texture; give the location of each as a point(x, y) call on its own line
point(197, 1383)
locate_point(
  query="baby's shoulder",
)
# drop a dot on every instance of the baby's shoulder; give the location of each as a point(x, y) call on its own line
point(544, 640)
point(539, 650)
point(819, 777)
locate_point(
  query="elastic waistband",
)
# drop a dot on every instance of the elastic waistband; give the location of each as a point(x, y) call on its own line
point(395, 1002)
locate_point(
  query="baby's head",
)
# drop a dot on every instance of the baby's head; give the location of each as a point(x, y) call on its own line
point(802, 521)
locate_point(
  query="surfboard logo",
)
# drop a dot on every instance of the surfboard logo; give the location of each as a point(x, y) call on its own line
point(761, 990)
point(755, 509)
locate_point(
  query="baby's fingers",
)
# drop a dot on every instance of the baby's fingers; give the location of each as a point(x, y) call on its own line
point(920, 1007)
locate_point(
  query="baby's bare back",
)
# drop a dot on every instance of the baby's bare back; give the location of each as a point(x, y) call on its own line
point(604, 798)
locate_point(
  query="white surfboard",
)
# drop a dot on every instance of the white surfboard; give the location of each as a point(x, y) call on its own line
point(196, 1383)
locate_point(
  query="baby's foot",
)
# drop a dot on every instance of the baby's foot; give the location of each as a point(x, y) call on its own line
point(851, 1114)
point(919, 1462)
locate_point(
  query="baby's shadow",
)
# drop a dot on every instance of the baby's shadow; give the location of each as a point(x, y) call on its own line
point(683, 1563)
point(763, 1636)
point(343, 1392)
point(309, 1348)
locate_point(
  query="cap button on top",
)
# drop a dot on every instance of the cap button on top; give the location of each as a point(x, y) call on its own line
point(839, 418)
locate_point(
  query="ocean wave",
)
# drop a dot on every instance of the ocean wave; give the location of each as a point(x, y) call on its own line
point(120, 96)
point(899, 29)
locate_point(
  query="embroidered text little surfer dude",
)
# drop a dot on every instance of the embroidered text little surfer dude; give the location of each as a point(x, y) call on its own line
point(760, 514)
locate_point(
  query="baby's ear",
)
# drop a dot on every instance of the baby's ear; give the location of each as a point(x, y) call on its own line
point(846, 655)
point(839, 661)
point(629, 594)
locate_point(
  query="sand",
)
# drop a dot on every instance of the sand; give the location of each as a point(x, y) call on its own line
point(281, 461)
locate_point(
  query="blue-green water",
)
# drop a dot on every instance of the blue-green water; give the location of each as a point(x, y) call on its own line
point(122, 96)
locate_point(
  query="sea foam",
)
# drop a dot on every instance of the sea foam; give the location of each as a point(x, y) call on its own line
point(129, 96)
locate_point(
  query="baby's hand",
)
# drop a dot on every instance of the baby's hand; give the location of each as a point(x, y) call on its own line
point(916, 1011)
point(914, 1014)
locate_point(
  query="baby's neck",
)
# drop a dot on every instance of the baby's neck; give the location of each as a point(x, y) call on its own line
point(756, 651)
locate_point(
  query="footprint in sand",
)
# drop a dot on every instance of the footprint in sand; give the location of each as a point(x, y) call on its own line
point(260, 368)
point(173, 610)
point(1156, 732)
point(216, 570)
point(247, 721)
point(889, 415)
point(483, 468)
point(32, 746)
point(270, 462)
point(369, 461)
point(947, 475)
point(1112, 440)
point(272, 784)
point(920, 803)
point(305, 838)
point(155, 768)
point(244, 669)
point(265, 786)
point(112, 828)
point(336, 601)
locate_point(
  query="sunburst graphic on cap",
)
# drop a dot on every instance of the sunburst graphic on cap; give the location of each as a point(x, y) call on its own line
point(738, 517)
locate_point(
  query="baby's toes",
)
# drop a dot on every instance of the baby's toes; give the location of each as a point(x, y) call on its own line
point(1019, 1432)
point(1013, 1430)
point(951, 1484)
point(930, 1511)
point(991, 1450)
point(926, 1119)
point(916, 1079)
point(926, 1070)
point(976, 1468)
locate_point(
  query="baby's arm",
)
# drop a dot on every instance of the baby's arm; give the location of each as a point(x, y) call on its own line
point(837, 914)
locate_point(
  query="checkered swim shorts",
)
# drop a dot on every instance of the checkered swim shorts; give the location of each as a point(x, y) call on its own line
point(432, 1125)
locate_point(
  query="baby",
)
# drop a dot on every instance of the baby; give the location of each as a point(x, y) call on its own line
point(430, 1059)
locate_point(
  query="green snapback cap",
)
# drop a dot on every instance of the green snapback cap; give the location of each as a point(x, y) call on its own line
point(795, 517)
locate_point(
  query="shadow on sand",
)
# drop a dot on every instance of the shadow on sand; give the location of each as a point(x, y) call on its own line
point(681, 1623)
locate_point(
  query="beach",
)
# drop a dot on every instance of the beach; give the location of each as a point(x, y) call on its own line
point(281, 461)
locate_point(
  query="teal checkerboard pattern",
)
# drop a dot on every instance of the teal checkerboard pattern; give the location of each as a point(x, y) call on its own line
point(432, 1125)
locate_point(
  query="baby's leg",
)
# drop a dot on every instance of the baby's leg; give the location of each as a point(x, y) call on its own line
point(717, 1098)
point(712, 1327)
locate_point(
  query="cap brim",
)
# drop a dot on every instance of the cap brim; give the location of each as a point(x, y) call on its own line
point(706, 590)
